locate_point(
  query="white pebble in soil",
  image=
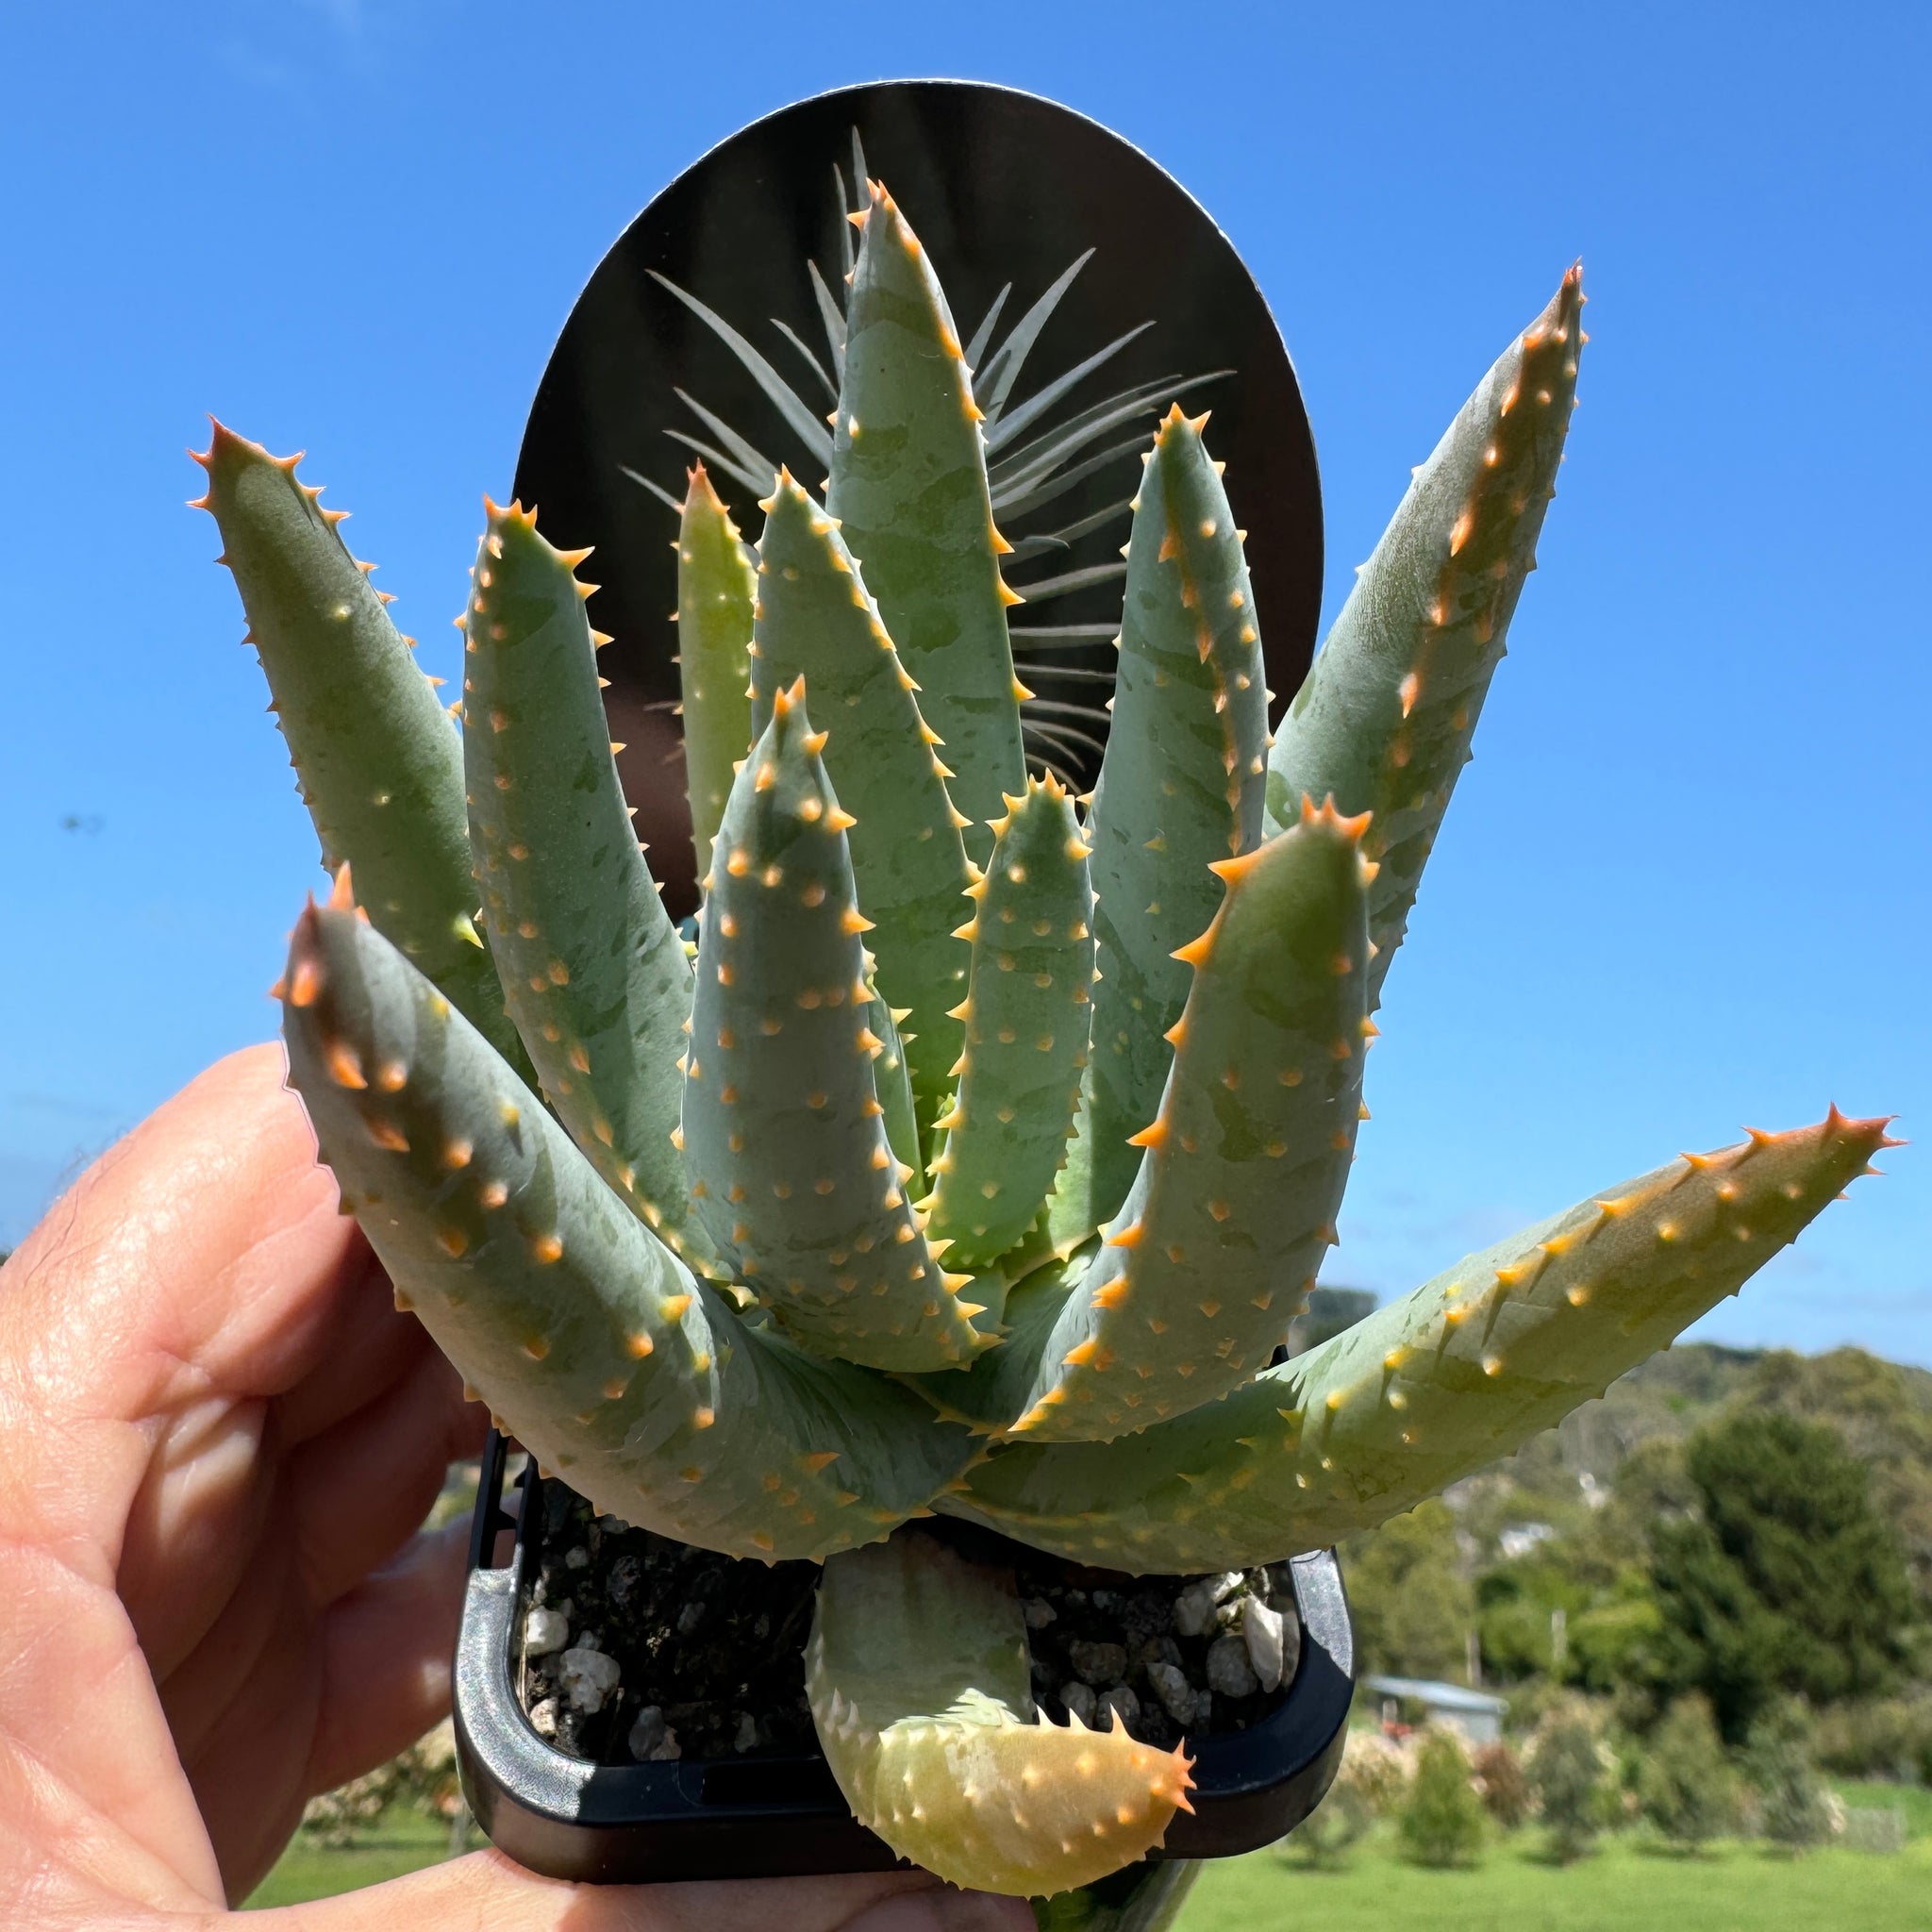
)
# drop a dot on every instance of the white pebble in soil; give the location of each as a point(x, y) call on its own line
point(749, 1737)
point(589, 1678)
point(1291, 1641)
point(545, 1630)
point(1038, 1612)
point(651, 1741)
point(544, 1717)
point(1079, 1700)
point(1193, 1609)
point(1117, 1708)
point(1228, 1670)
point(1170, 1683)
point(578, 1559)
point(1263, 1632)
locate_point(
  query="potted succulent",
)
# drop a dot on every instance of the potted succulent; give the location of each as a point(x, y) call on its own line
point(925, 1225)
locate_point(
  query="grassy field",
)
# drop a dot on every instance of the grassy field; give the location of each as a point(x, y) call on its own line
point(402, 1841)
point(1624, 1888)
point(1915, 1801)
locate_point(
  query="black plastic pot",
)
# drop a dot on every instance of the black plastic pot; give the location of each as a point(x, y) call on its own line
point(777, 1817)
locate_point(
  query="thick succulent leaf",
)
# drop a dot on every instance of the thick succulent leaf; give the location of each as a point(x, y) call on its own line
point(1026, 1016)
point(815, 620)
point(917, 1672)
point(1435, 1386)
point(893, 1083)
point(1384, 721)
point(377, 760)
point(715, 590)
point(1180, 787)
point(653, 1399)
point(908, 485)
point(1243, 1168)
point(596, 976)
point(784, 1133)
point(989, 1395)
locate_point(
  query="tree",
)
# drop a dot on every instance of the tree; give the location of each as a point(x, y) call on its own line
point(1651, 1483)
point(1441, 1823)
point(1515, 1604)
point(1613, 1643)
point(1786, 1578)
point(1567, 1772)
point(1608, 1632)
point(1882, 1412)
point(1322, 1840)
point(1412, 1605)
point(1501, 1783)
point(1793, 1807)
point(1684, 1782)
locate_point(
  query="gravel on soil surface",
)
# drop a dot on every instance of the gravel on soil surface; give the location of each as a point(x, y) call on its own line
point(698, 1654)
point(637, 1648)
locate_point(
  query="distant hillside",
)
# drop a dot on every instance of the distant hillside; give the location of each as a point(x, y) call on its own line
point(1674, 1393)
point(1882, 1409)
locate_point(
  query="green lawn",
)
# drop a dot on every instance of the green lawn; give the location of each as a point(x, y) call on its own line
point(402, 1841)
point(1915, 1801)
point(1622, 1889)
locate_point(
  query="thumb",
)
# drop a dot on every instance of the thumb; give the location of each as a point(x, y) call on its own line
point(485, 1893)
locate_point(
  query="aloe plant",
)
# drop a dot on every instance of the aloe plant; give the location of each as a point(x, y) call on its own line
point(977, 1154)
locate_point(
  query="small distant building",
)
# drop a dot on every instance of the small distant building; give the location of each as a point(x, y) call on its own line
point(1520, 1538)
point(1475, 1714)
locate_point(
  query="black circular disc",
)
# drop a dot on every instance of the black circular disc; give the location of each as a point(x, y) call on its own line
point(1001, 187)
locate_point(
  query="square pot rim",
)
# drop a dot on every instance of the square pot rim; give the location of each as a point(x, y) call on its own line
point(783, 1816)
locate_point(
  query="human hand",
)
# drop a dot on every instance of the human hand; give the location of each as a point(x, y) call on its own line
point(217, 1440)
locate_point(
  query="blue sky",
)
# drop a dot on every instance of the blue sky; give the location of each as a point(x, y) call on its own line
point(1682, 888)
